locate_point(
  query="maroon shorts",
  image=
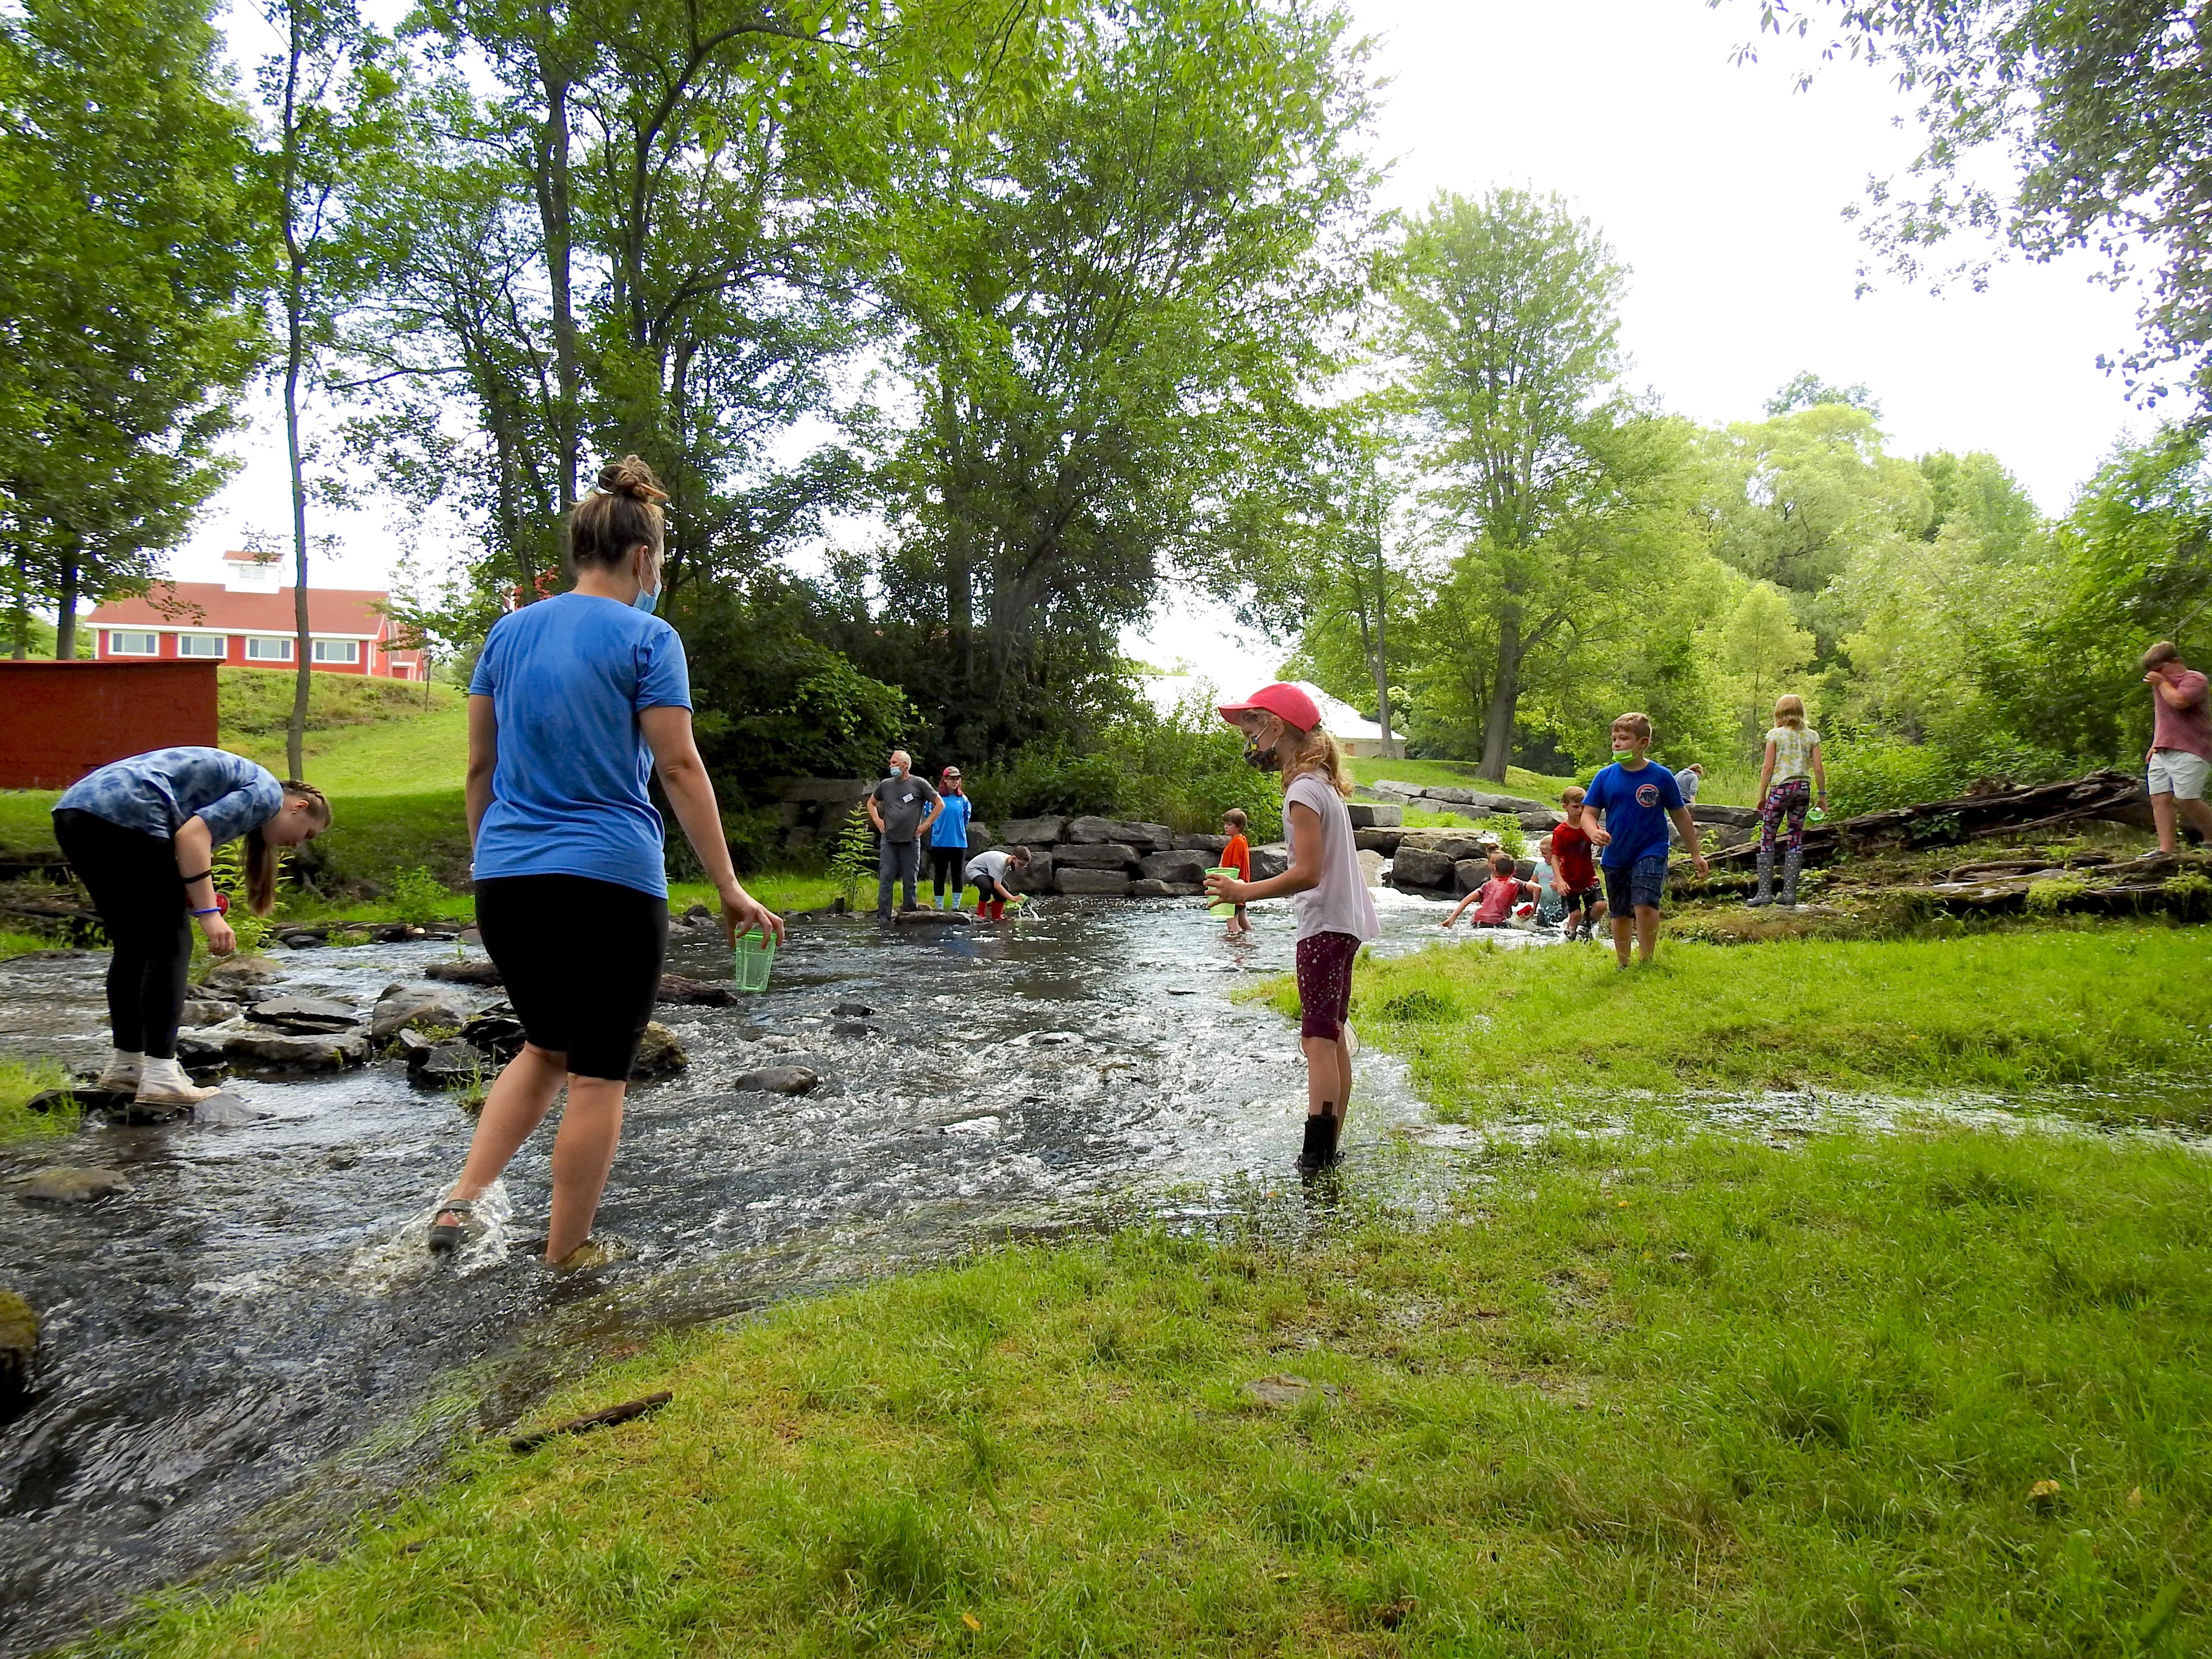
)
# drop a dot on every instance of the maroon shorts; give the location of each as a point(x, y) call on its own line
point(1325, 983)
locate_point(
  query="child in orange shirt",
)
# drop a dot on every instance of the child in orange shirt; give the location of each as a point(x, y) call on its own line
point(1237, 856)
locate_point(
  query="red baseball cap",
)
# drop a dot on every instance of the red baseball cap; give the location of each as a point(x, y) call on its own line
point(1282, 698)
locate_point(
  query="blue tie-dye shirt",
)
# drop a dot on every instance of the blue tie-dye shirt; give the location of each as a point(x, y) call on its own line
point(156, 793)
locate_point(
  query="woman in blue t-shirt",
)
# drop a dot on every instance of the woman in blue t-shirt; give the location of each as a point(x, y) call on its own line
point(140, 835)
point(948, 839)
point(574, 702)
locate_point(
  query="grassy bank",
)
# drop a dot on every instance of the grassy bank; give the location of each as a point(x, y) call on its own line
point(1934, 1396)
point(365, 737)
point(1459, 774)
point(18, 1083)
point(2116, 1005)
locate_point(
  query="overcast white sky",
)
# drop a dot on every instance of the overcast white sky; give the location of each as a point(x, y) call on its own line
point(1722, 188)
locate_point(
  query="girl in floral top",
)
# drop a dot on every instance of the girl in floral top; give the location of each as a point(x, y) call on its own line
point(1789, 782)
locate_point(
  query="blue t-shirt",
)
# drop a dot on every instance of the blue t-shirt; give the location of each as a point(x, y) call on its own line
point(567, 678)
point(951, 829)
point(156, 793)
point(1635, 805)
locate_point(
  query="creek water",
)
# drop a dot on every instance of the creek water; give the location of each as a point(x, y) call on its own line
point(252, 1340)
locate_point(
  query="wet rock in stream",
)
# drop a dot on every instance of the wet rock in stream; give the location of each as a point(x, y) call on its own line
point(776, 1080)
point(417, 1008)
point(304, 1016)
point(66, 1184)
point(476, 970)
point(200, 1011)
point(441, 1064)
point(239, 973)
point(658, 1053)
point(273, 1053)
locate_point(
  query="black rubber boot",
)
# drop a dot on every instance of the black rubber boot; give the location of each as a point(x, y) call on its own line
point(1321, 1142)
point(1792, 862)
point(1765, 893)
point(1332, 1154)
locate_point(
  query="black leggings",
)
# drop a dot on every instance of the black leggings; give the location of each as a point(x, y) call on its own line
point(140, 895)
point(580, 960)
point(946, 867)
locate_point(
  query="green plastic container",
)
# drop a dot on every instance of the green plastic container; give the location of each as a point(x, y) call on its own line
point(756, 956)
point(1223, 910)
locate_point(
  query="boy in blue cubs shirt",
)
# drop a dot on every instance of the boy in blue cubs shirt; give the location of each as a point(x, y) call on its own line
point(1637, 799)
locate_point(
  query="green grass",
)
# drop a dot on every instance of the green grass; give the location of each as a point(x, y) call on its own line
point(1692, 1398)
point(18, 1083)
point(16, 944)
point(2114, 1006)
point(27, 823)
point(393, 757)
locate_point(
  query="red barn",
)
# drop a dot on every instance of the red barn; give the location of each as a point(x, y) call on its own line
point(246, 621)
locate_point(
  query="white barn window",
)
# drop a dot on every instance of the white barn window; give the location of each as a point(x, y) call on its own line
point(262, 650)
point(202, 645)
point(122, 644)
point(338, 650)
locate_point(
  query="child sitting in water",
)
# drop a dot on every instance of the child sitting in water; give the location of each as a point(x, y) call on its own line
point(986, 871)
point(1237, 856)
point(1494, 900)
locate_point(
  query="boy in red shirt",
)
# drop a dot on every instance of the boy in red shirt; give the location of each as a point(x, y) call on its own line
point(1574, 872)
point(1494, 900)
point(1237, 856)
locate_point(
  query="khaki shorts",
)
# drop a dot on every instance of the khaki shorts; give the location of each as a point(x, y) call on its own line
point(2178, 772)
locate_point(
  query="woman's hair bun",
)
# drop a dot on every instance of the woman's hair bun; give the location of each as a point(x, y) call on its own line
point(631, 477)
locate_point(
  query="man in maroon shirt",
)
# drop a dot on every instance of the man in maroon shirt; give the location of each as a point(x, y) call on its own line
point(2180, 759)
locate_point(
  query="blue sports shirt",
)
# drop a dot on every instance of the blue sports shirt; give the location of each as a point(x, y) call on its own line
point(567, 678)
point(1635, 805)
point(951, 829)
point(156, 793)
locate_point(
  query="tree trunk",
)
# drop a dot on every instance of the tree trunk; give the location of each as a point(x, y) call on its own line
point(65, 617)
point(295, 730)
point(1505, 693)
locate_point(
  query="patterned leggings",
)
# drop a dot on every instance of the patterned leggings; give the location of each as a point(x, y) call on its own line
point(1790, 798)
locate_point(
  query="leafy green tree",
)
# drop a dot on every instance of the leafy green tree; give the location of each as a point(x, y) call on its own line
point(122, 341)
point(1568, 499)
point(1761, 645)
point(1807, 391)
point(1108, 280)
point(2051, 125)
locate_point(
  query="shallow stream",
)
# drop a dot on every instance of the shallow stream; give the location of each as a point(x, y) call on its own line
point(253, 1340)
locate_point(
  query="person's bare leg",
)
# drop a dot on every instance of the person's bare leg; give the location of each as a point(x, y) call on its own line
point(1343, 1079)
point(1326, 1074)
point(2162, 815)
point(1622, 926)
point(1647, 933)
point(2198, 813)
point(583, 1153)
point(520, 1096)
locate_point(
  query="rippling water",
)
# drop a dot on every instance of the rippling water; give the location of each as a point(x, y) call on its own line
point(257, 1323)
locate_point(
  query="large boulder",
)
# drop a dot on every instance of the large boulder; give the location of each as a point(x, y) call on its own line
point(238, 973)
point(1739, 817)
point(419, 1008)
point(284, 1054)
point(1150, 837)
point(443, 1064)
point(1375, 815)
point(1211, 845)
point(1385, 842)
point(1470, 873)
point(1270, 861)
point(1035, 876)
point(1098, 884)
point(468, 970)
point(1185, 867)
point(694, 992)
point(205, 1010)
point(979, 837)
point(304, 1016)
point(1371, 865)
point(1451, 845)
point(1032, 832)
point(658, 1053)
point(1416, 866)
point(1094, 856)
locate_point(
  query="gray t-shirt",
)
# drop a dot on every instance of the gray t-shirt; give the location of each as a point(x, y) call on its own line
point(904, 802)
point(987, 868)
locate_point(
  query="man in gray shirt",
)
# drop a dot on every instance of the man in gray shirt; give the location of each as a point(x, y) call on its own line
point(901, 808)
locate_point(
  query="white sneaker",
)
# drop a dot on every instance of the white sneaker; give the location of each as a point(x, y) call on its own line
point(121, 1074)
point(163, 1083)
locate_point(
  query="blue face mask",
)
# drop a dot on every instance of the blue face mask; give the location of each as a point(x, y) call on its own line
point(644, 601)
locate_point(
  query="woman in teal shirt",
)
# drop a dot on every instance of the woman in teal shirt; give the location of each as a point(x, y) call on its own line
point(948, 839)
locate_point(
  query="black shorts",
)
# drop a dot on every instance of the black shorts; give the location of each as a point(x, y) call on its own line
point(581, 962)
point(1584, 899)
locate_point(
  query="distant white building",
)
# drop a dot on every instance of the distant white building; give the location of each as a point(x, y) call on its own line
point(1359, 736)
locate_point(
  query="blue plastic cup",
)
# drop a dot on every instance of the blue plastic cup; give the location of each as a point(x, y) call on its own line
point(756, 955)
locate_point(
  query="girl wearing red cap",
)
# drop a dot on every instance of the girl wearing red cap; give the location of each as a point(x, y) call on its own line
point(1335, 915)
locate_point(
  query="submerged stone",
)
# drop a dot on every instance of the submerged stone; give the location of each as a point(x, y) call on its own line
point(658, 1053)
point(694, 992)
point(443, 1064)
point(311, 1015)
point(239, 973)
point(776, 1080)
point(418, 1007)
point(69, 1184)
point(475, 970)
point(19, 1343)
point(283, 1051)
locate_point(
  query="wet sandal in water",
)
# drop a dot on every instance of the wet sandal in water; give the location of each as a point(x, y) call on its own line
point(446, 1239)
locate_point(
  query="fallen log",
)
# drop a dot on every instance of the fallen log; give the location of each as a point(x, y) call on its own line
point(628, 1410)
point(2117, 796)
